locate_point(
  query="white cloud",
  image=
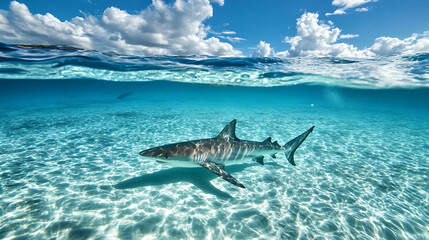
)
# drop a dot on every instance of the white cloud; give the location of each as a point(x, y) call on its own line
point(365, 9)
point(220, 2)
point(417, 43)
point(233, 39)
point(314, 38)
point(20, 25)
point(161, 29)
point(348, 4)
point(228, 36)
point(346, 36)
point(336, 12)
point(317, 39)
point(264, 50)
point(229, 32)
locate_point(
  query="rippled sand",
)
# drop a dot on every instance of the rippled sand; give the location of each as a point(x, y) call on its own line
point(72, 171)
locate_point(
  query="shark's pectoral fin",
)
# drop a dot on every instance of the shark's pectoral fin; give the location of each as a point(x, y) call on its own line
point(219, 169)
point(259, 159)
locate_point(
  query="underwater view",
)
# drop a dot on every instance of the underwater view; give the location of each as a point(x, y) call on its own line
point(73, 123)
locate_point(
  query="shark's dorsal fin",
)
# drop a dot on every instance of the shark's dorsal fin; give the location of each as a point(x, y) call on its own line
point(268, 140)
point(229, 130)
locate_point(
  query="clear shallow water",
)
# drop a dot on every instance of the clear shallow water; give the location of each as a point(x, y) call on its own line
point(70, 167)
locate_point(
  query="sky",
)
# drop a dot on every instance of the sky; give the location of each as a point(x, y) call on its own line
point(260, 28)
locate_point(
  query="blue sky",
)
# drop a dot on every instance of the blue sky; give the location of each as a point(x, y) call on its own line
point(366, 28)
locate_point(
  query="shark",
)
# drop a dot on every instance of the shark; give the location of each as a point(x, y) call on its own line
point(223, 150)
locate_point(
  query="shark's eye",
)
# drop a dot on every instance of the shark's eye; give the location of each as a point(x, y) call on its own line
point(166, 157)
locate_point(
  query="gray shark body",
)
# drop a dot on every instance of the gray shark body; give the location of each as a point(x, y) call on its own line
point(224, 149)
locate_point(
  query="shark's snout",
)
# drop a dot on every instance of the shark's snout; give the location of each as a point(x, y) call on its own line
point(154, 153)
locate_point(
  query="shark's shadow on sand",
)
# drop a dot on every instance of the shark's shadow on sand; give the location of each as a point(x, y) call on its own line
point(199, 177)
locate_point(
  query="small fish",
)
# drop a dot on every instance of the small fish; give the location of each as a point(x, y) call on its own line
point(124, 95)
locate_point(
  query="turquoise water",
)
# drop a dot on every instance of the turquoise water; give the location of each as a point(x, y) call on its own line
point(73, 123)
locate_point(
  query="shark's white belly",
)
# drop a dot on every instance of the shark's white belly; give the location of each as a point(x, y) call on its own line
point(184, 164)
point(196, 160)
point(189, 164)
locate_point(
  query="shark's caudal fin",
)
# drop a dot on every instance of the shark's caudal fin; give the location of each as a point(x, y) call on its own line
point(293, 144)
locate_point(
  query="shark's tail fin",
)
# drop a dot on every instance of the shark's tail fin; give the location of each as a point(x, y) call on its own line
point(293, 144)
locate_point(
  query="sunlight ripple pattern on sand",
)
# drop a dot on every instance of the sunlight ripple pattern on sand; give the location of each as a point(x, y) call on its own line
point(73, 171)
